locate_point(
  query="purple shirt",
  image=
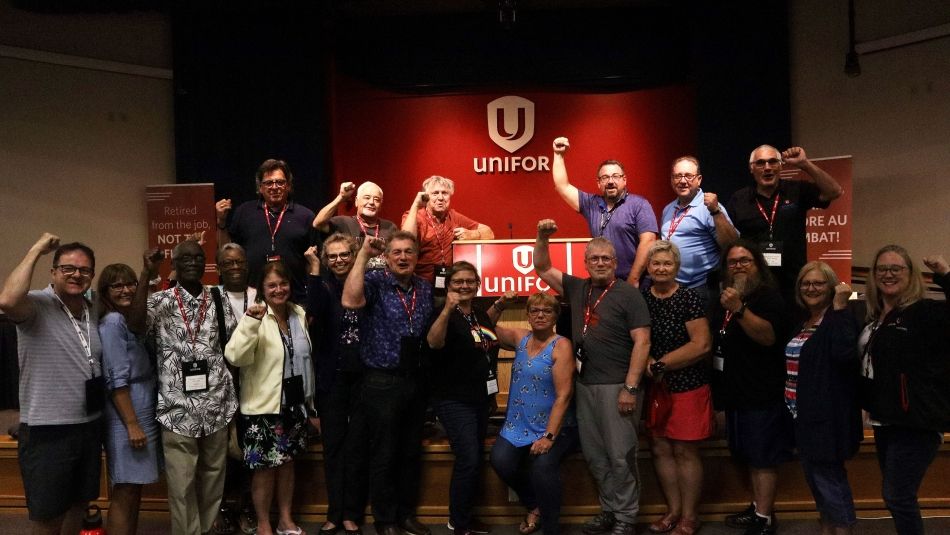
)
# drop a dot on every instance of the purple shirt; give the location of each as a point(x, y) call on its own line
point(386, 319)
point(631, 216)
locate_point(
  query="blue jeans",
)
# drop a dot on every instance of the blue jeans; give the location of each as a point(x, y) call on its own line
point(465, 424)
point(536, 478)
point(904, 454)
point(829, 485)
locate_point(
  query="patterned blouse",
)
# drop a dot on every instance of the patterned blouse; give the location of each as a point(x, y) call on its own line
point(194, 414)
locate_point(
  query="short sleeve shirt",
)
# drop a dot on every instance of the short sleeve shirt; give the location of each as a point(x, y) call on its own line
point(693, 231)
point(350, 226)
point(249, 229)
point(622, 226)
point(54, 366)
point(668, 332)
point(435, 240)
point(390, 315)
point(192, 414)
point(607, 344)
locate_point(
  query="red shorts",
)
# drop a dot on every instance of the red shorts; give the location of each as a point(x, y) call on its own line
point(691, 417)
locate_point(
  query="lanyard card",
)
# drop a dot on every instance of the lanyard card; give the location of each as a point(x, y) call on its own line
point(410, 349)
point(95, 394)
point(195, 375)
point(293, 390)
point(772, 251)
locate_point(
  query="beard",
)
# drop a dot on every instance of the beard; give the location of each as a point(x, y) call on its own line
point(745, 283)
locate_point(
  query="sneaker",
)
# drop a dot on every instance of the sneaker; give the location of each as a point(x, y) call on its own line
point(742, 519)
point(623, 528)
point(762, 526)
point(413, 527)
point(601, 523)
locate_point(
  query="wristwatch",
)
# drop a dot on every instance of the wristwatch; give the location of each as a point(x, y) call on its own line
point(632, 390)
point(549, 436)
point(740, 311)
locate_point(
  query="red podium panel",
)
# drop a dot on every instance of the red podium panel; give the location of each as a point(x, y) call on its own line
point(509, 264)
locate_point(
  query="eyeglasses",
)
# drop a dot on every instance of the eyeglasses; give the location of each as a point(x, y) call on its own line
point(540, 311)
point(233, 263)
point(190, 259)
point(689, 177)
point(341, 256)
point(740, 262)
point(818, 285)
point(68, 270)
point(600, 259)
point(119, 286)
point(464, 282)
point(615, 176)
point(760, 164)
point(274, 183)
point(893, 269)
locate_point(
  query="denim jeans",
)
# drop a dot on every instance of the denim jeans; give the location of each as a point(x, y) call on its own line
point(536, 478)
point(904, 454)
point(829, 485)
point(465, 424)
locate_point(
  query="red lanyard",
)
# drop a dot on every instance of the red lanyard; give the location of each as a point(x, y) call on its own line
point(364, 227)
point(589, 310)
point(476, 327)
point(769, 220)
point(439, 232)
point(273, 229)
point(193, 336)
point(676, 221)
point(410, 306)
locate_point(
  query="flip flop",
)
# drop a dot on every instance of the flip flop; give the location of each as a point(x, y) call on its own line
point(527, 527)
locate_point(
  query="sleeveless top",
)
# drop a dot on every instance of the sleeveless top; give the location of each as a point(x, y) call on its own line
point(532, 395)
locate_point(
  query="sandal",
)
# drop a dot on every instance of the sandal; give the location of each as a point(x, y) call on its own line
point(527, 527)
point(665, 524)
point(247, 521)
point(687, 527)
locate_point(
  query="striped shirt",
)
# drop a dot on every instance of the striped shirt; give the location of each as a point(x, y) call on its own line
point(792, 353)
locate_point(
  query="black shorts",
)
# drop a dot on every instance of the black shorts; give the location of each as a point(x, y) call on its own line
point(60, 465)
point(761, 438)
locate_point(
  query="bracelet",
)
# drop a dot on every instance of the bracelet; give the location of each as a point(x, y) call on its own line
point(498, 308)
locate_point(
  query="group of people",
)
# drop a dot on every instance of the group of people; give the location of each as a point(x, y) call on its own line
point(355, 337)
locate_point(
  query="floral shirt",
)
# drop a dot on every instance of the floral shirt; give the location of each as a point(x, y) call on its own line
point(391, 314)
point(193, 414)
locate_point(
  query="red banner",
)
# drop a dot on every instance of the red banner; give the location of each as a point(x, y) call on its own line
point(506, 265)
point(178, 211)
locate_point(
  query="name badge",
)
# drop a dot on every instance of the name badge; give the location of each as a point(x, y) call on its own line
point(95, 394)
point(273, 257)
point(772, 251)
point(293, 390)
point(195, 375)
point(492, 386)
point(440, 275)
point(476, 336)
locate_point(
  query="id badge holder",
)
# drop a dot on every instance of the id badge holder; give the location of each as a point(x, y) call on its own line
point(272, 257)
point(95, 394)
point(491, 385)
point(718, 361)
point(195, 376)
point(293, 390)
point(476, 336)
point(772, 251)
point(441, 277)
point(409, 352)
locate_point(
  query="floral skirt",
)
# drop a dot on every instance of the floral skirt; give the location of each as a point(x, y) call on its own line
point(271, 440)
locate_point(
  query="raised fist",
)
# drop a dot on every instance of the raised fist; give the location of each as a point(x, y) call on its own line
point(937, 264)
point(347, 190)
point(422, 199)
point(561, 144)
point(47, 243)
point(221, 209)
point(711, 200)
point(546, 228)
point(257, 310)
point(842, 294)
point(151, 259)
point(373, 246)
point(794, 155)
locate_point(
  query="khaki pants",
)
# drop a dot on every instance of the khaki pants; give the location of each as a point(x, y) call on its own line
point(194, 470)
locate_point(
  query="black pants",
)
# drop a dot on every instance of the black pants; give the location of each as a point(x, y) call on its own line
point(346, 476)
point(391, 407)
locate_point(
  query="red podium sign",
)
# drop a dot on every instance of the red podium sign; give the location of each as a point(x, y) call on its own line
point(506, 265)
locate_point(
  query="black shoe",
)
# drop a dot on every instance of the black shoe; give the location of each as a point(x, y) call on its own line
point(743, 519)
point(386, 529)
point(357, 531)
point(476, 526)
point(413, 527)
point(604, 521)
point(762, 526)
point(623, 528)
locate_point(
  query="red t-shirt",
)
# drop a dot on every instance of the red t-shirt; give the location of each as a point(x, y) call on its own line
point(435, 239)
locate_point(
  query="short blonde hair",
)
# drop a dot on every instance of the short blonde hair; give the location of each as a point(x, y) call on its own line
point(544, 299)
point(822, 268)
point(664, 246)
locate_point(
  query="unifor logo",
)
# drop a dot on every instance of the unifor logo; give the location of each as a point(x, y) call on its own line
point(511, 122)
point(522, 258)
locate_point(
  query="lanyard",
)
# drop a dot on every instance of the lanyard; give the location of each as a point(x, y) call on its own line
point(365, 228)
point(288, 340)
point(273, 229)
point(725, 323)
point(439, 229)
point(409, 306)
point(202, 310)
point(476, 327)
point(676, 221)
point(768, 219)
point(606, 214)
point(589, 310)
point(84, 339)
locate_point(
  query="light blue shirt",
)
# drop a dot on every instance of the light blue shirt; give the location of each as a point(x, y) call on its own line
point(695, 236)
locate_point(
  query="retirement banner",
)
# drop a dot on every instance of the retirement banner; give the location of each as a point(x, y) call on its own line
point(177, 212)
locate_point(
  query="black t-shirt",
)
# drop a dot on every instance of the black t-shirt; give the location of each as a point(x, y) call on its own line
point(753, 375)
point(795, 199)
point(460, 369)
point(668, 332)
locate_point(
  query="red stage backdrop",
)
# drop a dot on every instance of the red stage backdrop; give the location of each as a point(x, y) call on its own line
point(496, 146)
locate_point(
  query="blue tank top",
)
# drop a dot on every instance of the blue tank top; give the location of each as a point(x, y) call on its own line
point(532, 395)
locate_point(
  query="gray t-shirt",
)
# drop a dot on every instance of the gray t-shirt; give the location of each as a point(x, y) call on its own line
point(54, 366)
point(607, 344)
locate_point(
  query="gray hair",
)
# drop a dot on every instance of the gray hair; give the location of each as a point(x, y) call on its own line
point(436, 180)
point(228, 247)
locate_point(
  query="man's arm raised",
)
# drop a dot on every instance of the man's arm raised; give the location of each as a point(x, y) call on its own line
point(353, 295)
point(559, 172)
point(409, 223)
point(828, 187)
point(321, 220)
point(13, 299)
point(542, 257)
